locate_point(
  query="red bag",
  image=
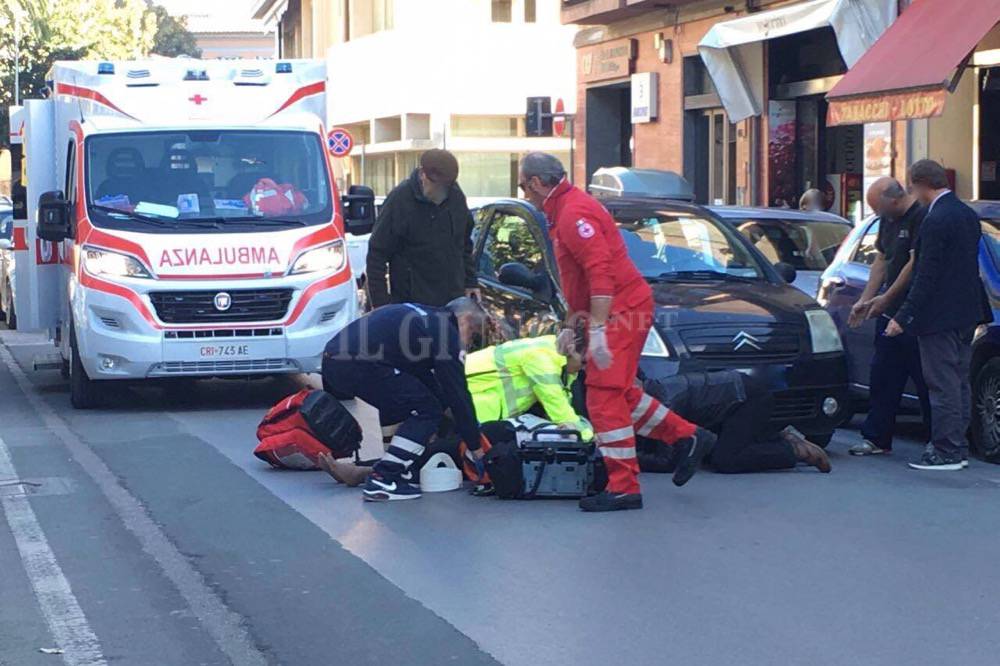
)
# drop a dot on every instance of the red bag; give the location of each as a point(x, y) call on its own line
point(298, 429)
point(269, 198)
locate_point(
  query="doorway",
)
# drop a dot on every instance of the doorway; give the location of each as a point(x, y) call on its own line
point(710, 156)
point(609, 127)
point(989, 133)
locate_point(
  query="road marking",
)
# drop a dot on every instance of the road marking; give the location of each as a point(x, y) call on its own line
point(226, 627)
point(62, 611)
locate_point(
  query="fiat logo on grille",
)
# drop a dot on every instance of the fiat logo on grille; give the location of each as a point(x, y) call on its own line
point(223, 301)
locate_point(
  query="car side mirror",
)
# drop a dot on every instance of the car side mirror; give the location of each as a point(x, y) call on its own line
point(359, 210)
point(6, 244)
point(53, 217)
point(786, 271)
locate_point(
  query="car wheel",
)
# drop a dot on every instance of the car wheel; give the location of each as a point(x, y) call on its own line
point(84, 392)
point(986, 411)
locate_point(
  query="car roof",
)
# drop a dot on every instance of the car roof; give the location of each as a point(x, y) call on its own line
point(986, 209)
point(788, 214)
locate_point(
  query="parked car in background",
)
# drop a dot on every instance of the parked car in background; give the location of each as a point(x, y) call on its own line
point(7, 265)
point(845, 279)
point(719, 303)
point(805, 240)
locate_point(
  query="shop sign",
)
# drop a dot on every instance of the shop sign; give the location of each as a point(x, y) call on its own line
point(645, 95)
point(886, 108)
point(611, 60)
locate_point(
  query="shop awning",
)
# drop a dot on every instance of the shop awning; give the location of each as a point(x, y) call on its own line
point(907, 72)
point(733, 50)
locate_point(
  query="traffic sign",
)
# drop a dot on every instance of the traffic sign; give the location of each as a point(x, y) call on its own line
point(339, 142)
point(559, 122)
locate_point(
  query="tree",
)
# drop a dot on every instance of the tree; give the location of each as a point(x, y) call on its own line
point(172, 36)
point(36, 33)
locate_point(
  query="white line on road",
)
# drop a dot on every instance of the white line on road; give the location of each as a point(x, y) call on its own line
point(62, 611)
point(224, 625)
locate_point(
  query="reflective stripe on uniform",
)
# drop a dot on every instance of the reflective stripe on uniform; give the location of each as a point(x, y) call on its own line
point(658, 417)
point(642, 407)
point(407, 445)
point(618, 452)
point(388, 457)
point(612, 436)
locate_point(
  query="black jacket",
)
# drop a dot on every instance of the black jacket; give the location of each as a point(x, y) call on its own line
point(427, 248)
point(420, 341)
point(947, 293)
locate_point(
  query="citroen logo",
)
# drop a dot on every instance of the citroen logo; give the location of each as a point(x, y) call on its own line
point(744, 339)
point(224, 301)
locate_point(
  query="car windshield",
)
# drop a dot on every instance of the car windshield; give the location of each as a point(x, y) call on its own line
point(808, 245)
point(240, 178)
point(681, 245)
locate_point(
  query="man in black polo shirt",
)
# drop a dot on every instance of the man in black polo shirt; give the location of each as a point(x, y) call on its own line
point(896, 359)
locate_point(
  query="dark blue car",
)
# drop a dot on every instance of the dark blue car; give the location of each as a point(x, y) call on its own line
point(845, 279)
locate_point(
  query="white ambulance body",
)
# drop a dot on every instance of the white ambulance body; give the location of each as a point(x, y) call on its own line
point(194, 225)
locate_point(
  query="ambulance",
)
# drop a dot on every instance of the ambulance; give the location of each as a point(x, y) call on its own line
point(182, 220)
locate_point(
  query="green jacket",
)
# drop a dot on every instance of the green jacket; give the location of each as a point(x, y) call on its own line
point(509, 379)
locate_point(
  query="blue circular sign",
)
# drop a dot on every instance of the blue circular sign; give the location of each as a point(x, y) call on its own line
point(339, 142)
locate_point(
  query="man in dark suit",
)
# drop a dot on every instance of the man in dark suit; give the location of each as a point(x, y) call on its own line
point(945, 304)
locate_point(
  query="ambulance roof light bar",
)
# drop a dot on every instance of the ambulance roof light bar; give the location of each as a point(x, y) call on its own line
point(106, 68)
point(612, 182)
point(282, 68)
point(196, 75)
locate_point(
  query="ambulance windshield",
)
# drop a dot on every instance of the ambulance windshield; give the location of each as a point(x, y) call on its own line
point(217, 179)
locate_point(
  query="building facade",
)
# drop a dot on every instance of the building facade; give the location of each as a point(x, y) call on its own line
point(224, 30)
point(408, 75)
point(734, 95)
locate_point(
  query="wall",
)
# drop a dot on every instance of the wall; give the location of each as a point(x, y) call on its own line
point(951, 137)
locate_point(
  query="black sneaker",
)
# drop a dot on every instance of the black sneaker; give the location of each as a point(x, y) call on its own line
point(933, 460)
point(692, 451)
point(384, 489)
point(605, 501)
point(411, 477)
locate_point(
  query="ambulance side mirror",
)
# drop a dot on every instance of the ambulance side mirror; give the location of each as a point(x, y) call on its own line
point(53, 217)
point(359, 210)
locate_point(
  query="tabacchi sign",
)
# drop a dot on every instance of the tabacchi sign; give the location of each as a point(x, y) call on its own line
point(884, 108)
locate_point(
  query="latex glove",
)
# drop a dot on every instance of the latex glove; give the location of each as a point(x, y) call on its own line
point(566, 341)
point(598, 349)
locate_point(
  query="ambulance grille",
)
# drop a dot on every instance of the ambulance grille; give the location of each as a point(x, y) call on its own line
point(224, 367)
point(198, 307)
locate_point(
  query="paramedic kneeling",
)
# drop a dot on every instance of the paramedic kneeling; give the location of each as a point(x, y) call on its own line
point(602, 285)
point(406, 360)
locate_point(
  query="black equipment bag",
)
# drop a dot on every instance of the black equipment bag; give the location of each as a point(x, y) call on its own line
point(331, 423)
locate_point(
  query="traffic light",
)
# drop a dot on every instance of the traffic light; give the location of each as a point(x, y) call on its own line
point(538, 119)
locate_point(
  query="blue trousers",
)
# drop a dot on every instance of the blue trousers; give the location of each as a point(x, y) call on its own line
point(895, 361)
point(399, 398)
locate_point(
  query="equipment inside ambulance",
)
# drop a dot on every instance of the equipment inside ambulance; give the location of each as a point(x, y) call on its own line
point(182, 220)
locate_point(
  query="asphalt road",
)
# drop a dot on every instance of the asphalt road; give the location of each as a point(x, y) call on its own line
point(147, 534)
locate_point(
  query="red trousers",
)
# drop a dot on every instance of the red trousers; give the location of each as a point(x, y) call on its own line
point(618, 406)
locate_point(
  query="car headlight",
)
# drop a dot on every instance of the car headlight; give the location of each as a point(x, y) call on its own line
point(326, 258)
point(112, 264)
point(824, 333)
point(655, 346)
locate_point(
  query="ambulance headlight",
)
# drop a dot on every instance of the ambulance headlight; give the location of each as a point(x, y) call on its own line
point(326, 258)
point(112, 264)
point(824, 333)
point(655, 346)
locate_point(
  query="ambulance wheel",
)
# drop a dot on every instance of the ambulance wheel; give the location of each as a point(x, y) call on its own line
point(84, 392)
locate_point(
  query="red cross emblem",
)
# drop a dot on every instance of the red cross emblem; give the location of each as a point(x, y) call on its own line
point(198, 99)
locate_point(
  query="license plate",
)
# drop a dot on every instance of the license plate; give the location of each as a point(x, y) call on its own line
point(223, 351)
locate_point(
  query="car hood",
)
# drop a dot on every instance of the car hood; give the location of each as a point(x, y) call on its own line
point(723, 302)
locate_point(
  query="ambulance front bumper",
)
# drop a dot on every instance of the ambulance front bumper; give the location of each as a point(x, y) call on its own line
point(121, 335)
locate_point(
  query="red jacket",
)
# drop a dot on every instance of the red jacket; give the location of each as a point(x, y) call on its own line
point(590, 252)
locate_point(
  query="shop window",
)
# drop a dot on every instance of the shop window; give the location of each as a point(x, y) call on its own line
point(696, 78)
point(710, 155)
point(502, 11)
point(484, 126)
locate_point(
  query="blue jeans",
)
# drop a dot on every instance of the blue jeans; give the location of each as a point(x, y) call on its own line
point(895, 361)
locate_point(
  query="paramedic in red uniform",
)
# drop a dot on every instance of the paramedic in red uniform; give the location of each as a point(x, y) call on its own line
point(604, 289)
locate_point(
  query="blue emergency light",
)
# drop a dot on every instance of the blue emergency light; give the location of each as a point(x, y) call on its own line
point(283, 68)
point(105, 68)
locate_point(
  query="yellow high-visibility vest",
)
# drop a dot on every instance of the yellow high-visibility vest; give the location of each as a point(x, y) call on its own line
point(509, 379)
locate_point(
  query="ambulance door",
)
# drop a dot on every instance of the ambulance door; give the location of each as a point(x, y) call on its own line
point(38, 272)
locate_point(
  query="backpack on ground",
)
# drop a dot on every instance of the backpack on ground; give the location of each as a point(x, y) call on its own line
point(298, 429)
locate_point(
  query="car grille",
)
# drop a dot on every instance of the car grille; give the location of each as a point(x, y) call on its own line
point(198, 307)
point(738, 345)
point(223, 367)
point(795, 406)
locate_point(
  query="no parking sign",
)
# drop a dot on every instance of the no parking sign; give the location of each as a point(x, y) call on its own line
point(339, 142)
